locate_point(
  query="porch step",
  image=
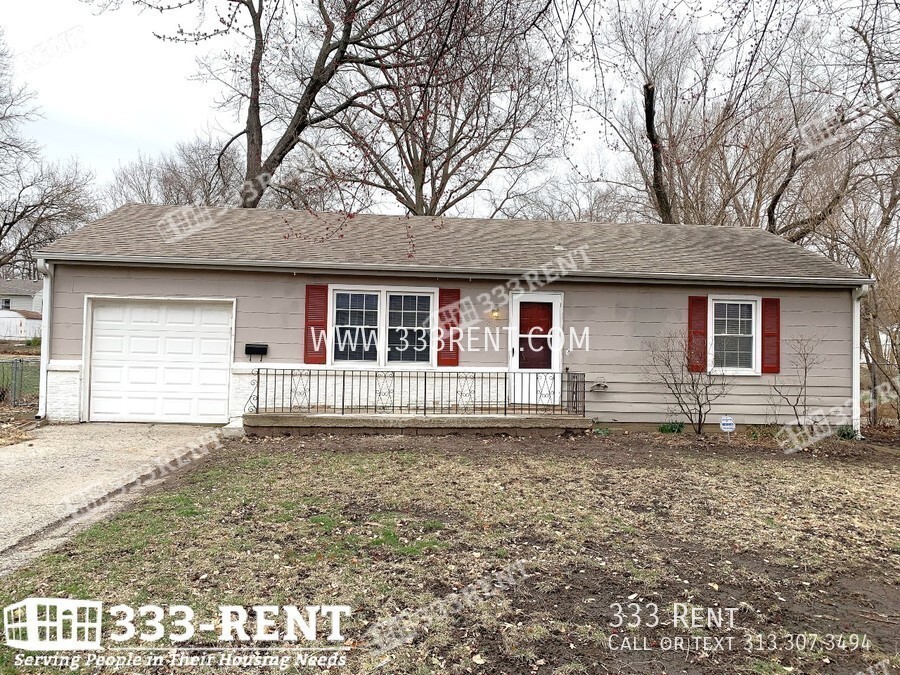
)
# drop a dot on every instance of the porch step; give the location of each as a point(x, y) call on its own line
point(282, 424)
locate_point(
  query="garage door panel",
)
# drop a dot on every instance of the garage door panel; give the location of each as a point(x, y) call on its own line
point(127, 377)
point(178, 377)
point(145, 313)
point(216, 317)
point(109, 314)
point(182, 316)
point(160, 361)
point(181, 346)
point(144, 345)
point(107, 375)
point(180, 408)
point(112, 345)
point(115, 405)
point(140, 405)
point(214, 348)
point(102, 406)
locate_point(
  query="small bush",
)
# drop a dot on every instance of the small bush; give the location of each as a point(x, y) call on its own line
point(34, 342)
point(847, 432)
point(671, 428)
point(758, 432)
point(601, 431)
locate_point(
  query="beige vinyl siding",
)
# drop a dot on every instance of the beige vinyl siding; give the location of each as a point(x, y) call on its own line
point(270, 305)
point(622, 320)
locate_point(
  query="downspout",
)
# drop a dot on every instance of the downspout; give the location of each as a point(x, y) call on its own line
point(858, 294)
point(47, 270)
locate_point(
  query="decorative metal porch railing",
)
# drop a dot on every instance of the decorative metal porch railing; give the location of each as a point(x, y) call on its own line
point(416, 392)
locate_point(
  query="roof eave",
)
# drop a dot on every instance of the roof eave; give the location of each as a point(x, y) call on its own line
point(455, 272)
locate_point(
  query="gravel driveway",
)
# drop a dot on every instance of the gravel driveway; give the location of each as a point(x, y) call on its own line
point(65, 467)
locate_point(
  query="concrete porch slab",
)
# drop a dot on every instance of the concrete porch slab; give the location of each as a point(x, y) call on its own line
point(299, 424)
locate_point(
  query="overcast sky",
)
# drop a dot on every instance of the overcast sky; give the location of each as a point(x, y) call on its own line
point(105, 86)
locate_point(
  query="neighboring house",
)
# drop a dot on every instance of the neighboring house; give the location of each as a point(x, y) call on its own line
point(187, 314)
point(21, 294)
point(21, 324)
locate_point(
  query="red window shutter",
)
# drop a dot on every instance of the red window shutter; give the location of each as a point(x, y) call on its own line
point(448, 319)
point(315, 340)
point(771, 335)
point(696, 337)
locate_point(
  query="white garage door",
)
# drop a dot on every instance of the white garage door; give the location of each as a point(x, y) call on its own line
point(160, 361)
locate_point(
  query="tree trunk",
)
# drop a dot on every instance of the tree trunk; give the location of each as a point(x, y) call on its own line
point(661, 196)
point(252, 189)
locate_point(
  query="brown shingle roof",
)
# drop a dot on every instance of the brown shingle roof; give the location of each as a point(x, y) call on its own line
point(190, 235)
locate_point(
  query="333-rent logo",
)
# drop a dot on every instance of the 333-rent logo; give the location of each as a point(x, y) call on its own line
point(61, 624)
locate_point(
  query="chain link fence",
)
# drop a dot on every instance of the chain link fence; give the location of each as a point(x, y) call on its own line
point(20, 381)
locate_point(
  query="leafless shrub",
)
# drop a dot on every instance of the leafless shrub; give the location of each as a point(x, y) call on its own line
point(793, 390)
point(691, 390)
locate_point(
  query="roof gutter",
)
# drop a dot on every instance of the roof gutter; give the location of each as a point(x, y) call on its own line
point(453, 272)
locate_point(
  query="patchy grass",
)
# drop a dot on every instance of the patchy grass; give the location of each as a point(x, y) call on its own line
point(805, 543)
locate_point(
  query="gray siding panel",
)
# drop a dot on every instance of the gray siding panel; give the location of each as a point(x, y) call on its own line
point(622, 320)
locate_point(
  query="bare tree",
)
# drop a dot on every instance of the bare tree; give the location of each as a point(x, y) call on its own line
point(198, 172)
point(710, 112)
point(866, 236)
point(306, 182)
point(876, 52)
point(195, 172)
point(691, 390)
point(793, 391)
point(863, 231)
point(437, 132)
point(567, 197)
point(301, 65)
point(39, 201)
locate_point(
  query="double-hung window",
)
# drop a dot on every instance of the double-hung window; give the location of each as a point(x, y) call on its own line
point(381, 327)
point(356, 326)
point(409, 339)
point(735, 333)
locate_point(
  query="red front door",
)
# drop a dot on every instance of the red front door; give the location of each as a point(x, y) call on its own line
point(535, 321)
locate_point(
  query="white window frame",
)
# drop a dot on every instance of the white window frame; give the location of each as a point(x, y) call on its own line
point(756, 302)
point(381, 361)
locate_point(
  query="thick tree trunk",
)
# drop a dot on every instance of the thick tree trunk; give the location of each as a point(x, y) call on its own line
point(253, 187)
point(661, 196)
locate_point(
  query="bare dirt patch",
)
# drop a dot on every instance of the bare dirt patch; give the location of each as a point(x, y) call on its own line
point(16, 424)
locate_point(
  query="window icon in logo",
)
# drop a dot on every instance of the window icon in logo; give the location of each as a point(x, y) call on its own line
point(53, 624)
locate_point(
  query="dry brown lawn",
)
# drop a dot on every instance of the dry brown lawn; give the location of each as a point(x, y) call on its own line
point(805, 544)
